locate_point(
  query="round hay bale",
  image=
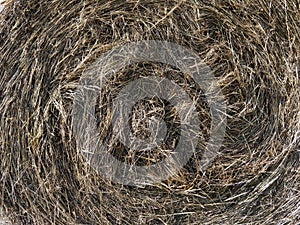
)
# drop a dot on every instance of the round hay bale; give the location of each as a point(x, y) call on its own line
point(251, 47)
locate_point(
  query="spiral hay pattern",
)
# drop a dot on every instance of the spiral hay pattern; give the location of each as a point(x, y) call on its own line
point(253, 49)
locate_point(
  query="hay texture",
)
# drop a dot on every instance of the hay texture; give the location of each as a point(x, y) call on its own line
point(253, 49)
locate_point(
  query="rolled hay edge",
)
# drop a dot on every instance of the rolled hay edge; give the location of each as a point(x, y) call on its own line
point(252, 47)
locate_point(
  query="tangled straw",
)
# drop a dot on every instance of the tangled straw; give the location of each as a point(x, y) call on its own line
point(253, 49)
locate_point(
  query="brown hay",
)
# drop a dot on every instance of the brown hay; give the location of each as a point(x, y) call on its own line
point(253, 48)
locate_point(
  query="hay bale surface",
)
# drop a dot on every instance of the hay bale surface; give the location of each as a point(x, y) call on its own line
point(252, 48)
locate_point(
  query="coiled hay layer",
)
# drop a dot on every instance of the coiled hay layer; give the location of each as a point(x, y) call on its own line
point(253, 49)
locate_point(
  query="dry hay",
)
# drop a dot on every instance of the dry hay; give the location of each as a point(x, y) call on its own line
point(253, 48)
